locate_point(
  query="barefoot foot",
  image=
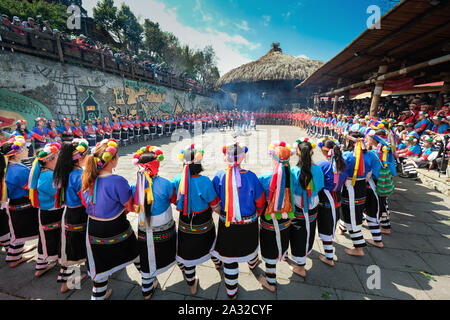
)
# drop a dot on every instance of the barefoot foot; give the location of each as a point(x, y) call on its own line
point(298, 270)
point(385, 231)
point(18, 262)
point(65, 287)
point(29, 248)
point(375, 244)
point(265, 284)
point(40, 273)
point(326, 261)
point(194, 287)
point(155, 285)
point(358, 252)
point(108, 294)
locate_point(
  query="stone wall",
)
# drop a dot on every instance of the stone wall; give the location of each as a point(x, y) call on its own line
point(32, 87)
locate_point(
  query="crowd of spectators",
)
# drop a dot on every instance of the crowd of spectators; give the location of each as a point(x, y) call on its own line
point(82, 42)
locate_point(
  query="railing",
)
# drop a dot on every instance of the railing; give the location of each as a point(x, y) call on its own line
point(51, 46)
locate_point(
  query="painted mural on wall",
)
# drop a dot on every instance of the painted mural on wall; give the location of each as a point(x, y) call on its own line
point(147, 100)
point(90, 107)
point(16, 106)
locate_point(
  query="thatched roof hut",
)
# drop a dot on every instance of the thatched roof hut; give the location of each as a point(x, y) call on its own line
point(268, 81)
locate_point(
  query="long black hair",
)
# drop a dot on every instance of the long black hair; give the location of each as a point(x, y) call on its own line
point(340, 163)
point(4, 149)
point(64, 166)
point(305, 164)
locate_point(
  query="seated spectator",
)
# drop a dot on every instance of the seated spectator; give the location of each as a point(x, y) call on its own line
point(423, 123)
point(439, 126)
point(47, 28)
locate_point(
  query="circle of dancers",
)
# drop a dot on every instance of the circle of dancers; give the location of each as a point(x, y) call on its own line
point(74, 204)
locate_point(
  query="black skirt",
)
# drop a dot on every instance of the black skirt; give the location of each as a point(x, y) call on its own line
point(195, 243)
point(73, 236)
point(359, 202)
point(164, 251)
point(24, 220)
point(239, 242)
point(4, 224)
point(49, 244)
point(268, 239)
point(298, 235)
point(326, 225)
point(111, 246)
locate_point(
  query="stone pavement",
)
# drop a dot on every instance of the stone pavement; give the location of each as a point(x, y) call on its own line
point(413, 265)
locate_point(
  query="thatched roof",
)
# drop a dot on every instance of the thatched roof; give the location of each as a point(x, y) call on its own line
point(274, 66)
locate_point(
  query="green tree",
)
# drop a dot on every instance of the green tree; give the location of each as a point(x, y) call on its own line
point(106, 15)
point(131, 29)
point(154, 38)
point(53, 12)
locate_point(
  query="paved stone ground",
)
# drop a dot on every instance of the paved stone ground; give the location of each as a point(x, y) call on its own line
point(414, 263)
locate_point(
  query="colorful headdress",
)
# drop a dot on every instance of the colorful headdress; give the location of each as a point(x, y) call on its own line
point(145, 173)
point(81, 149)
point(281, 191)
point(40, 119)
point(427, 139)
point(50, 150)
point(234, 155)
point(437, 118)
point(19, 122)
point(18, 143)
point(423, 113)
point(108, 155)
point(185, 181)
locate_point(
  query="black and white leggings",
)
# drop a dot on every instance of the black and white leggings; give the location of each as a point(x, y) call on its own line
point(231, 274)
point(189, 272)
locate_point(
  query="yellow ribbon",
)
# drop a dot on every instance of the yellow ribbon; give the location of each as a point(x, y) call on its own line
point(385, 154)
point(4, 192)
point(149, 190)
point(358, 157)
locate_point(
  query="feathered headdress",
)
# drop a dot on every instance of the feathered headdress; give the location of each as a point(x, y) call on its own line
point(145, 173)
point(233, 181)
point(281, 191)
point(49, 151)
point(185, 182)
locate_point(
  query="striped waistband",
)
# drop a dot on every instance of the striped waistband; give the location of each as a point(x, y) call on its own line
point(301, 216)
point(158, 236)
point(52, 226)
point(246, 220)
point(76, 227)
point(328, 205)
point(112, 240)
point(186, 228)
point(19, 208)
point(357, 201)
point(271, 227)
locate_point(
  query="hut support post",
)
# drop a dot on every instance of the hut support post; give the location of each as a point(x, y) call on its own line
point(336, 97)
point(316, 102)
point(445, 89)
point(377, 91)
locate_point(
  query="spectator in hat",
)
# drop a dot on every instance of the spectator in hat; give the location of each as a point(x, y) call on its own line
point(17, 23)
point(29, 24)
point(412, 115)
point(439, 127)
point(423, 123)
point(47, 28)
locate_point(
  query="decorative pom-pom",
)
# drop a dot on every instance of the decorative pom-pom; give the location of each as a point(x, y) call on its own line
point(271, 151)
point(224, 149)
point(112, 144)
point(284, 215)
point(42, 154)
point(160, 158)
point(111, 150)
point(180, 157)
point(192, 146)
point(15, 147)
point(267, 216)
point(271, 146)
point(291, 215)
point(278, 215)
point(107, 156)
point(282, 144)
point(245, 149)
point(143, 149)
point(135, 161)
